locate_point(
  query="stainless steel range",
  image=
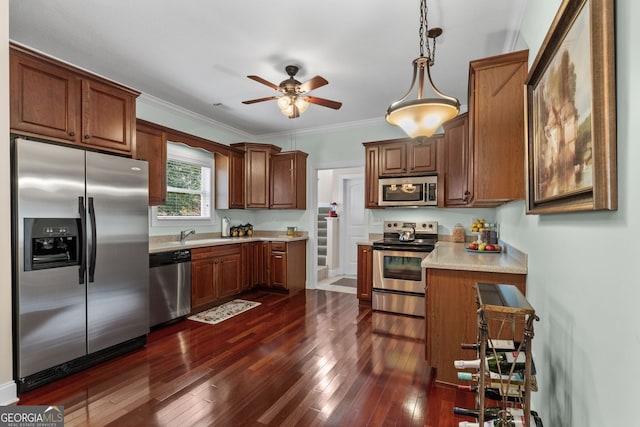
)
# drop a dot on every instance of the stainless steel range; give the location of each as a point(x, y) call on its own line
point(399, 282)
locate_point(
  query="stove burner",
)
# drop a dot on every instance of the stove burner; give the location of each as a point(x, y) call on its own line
point(425, 236)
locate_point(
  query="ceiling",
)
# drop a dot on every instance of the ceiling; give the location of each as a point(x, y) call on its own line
point(196, 54)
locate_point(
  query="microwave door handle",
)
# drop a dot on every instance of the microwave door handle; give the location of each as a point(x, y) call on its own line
point(92, 259)
point(83, 240)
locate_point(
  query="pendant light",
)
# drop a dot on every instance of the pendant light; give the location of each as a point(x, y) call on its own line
point(421, 117)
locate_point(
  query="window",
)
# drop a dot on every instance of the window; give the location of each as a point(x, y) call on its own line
point(189, 184)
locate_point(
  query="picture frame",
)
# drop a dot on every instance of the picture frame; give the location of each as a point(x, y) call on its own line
point(570, 110)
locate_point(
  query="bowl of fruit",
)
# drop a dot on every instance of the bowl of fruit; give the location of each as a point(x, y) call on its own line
point(483, 247)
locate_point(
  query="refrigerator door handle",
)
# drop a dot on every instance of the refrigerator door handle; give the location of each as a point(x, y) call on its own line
point(83, 240)
point(92, 259)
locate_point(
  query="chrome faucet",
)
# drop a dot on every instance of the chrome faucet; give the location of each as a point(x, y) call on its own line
point(185, 233)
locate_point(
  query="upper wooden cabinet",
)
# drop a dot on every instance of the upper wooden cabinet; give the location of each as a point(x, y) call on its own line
point(399, 157)
point(273, 179)
point(496, 129)
point(54, 100)
point(151, 145)
point(230, 180)
point(371, 167)
point(257, 161)
point(409, 157)
point(288, 180)
point(457, 162)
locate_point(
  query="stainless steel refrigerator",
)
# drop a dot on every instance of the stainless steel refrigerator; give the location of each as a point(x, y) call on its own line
point(80, 258)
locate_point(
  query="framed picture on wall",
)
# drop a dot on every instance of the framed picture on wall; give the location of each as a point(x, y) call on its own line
point(571, 113)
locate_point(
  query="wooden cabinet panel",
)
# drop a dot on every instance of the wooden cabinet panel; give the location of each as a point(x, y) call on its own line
point(288, 181)
point(108, 117)
point(257, 185)
point(53, 100)
point(45, 99)
point(278, 269)
point(365, 273)
point(496, 128)
point(203, 290)
point(247, 266)
point(151, 145)
point(215, 274)
point(451, 315)
point(236, 180)
point(229, 273)
point(393, 158)
point(287, 265)
point(422, 157)
point(371, 177)
point(457, 161)
point(260, 271)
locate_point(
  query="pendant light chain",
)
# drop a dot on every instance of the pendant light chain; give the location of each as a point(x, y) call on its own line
point(423, 32)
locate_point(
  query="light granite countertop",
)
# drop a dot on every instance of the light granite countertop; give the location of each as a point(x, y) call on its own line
point(453, 256)
point(171, 243)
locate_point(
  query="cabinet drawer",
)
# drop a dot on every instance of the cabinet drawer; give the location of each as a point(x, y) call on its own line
point(214, 251)
point(278, 246)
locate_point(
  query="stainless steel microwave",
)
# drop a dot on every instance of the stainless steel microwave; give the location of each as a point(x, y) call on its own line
point(410, 191)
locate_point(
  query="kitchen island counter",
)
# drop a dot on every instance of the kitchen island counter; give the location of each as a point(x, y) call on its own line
point(453, 256)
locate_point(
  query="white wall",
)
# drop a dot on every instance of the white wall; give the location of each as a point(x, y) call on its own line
point(582, 273)
point(7, 386)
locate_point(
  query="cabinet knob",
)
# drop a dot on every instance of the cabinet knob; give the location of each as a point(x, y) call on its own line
point(87, 136)
point(72, 133)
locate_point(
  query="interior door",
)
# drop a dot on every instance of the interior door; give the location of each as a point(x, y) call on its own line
point(353, 224)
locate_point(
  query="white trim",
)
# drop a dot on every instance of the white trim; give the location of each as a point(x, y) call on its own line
point(152, 100)
point(8, 393)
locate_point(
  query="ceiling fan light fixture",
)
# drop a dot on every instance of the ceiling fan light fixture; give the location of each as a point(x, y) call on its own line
point(292, 106)
point(422, 117)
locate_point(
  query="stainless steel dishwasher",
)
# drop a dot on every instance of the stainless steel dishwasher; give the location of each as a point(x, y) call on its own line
point(169, 286)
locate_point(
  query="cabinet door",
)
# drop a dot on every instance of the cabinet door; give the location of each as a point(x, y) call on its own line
point(45, 99)
point(496, 120)
point(236, 180)
point(283, 181)
point(257, 175)
point(422, 156)
point(151, 145)
point(228, 274)
point(365, 272)
point(203, 290)
point(260, 263)
point(393, 158)
point(457, 162)
point(246, 278)
point(371, 168)
point(108, 117)
point(452, 315)
point(278, 270)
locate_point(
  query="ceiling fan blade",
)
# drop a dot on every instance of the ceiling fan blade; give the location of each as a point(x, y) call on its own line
point(324, 102)
point(265, 82)
point(253, 101)
point(314, 83)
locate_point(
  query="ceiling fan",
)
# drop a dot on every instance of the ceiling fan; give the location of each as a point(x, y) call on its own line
point(293, 102)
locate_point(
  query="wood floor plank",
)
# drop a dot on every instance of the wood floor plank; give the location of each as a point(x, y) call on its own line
point(313, 359)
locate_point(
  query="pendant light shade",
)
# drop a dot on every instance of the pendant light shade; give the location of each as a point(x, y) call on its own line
point(422, 117)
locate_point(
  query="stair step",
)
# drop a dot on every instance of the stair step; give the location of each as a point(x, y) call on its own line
point(322, 241)
point(322, 251)
point(324, 210)
point(322, 260)
point(322, 218)
point(322, 233)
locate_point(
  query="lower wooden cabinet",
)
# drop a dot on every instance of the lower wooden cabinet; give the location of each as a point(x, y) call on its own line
point(365, 273)
point(288, 266)
point(220, 272)
point(215, 274)
point(451, 315)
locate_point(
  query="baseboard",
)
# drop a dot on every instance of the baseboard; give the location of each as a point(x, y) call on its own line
point(8, 394)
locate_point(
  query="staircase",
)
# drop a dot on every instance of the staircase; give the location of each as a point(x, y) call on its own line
point(323, 271)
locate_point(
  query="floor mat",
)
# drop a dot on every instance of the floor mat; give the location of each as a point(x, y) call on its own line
point(224, 311)
point(346, 281)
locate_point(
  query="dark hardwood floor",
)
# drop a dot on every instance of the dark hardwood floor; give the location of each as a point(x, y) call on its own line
point(312, 359)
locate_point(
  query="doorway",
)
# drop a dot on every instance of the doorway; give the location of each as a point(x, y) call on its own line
point(337, 237)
